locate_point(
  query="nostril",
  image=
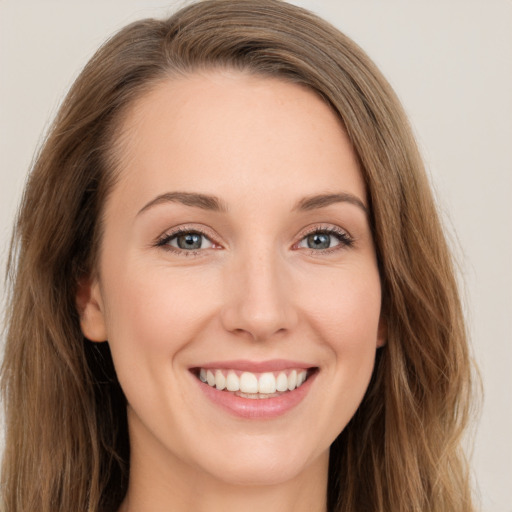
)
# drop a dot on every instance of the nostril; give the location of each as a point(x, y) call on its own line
point(259, 312)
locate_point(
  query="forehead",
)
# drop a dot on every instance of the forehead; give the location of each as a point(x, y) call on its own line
point(232, 132)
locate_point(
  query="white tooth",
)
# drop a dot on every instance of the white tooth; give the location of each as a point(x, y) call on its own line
point(210, 378)
point(232, 381)
point(267, 383)
point(282, 382)
point(248, 383)
point(202, 374)
point(301, 377)
point(220, 380)
point(292, 380)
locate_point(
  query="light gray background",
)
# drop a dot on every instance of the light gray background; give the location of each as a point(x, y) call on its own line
point(451, 64)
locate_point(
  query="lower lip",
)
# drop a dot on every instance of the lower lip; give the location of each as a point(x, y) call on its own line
point(257, 408)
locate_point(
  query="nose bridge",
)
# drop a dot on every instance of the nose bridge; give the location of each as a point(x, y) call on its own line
point(258, 300)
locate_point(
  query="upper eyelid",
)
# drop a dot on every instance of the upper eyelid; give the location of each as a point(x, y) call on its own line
point(170, 233)
point(330, 228)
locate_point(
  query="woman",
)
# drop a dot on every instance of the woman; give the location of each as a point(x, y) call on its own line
point(234, 200)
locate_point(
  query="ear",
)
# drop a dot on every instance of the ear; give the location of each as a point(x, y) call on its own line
point(382, 332)
point(89, 303)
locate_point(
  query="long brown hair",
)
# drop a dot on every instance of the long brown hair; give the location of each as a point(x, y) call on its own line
point(66, 434)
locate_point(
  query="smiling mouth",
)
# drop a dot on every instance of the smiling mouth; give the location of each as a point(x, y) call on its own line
point(254, 385)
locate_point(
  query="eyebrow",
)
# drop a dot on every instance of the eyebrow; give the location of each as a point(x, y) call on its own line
point(212, 203)
point(203, 201)
point(324, 200)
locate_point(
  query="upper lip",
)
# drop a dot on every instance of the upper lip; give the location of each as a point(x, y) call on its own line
point(273, 365)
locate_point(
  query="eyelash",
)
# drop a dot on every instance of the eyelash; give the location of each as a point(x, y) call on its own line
point(164, 241)
point(345, 240)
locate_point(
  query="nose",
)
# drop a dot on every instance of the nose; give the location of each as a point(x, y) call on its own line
point(258, 297)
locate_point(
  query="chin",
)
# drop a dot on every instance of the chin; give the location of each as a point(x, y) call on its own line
point(258, 471)
point(262, 463)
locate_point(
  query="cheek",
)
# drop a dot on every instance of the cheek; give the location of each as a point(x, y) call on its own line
point(153, 314)
point(346, 320)
point(345, 307)
point(153, 317)
point(355, 329)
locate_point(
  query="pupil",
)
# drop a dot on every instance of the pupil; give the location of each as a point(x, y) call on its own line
point(319, 241)
point(189, 241)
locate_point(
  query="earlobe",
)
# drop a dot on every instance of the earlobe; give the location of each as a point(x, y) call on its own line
point(90, 310)
point(382, 332)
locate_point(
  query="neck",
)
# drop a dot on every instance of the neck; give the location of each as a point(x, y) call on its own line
point(156, 485)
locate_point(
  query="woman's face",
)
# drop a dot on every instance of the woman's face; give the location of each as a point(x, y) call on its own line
point(236, 250)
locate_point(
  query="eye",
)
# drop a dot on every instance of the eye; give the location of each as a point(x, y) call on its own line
point(325, 239)
point(185, 240)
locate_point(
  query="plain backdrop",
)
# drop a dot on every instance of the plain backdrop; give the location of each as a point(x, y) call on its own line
point(450, 62)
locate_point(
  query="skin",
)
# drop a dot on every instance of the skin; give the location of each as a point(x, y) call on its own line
point(254, 291)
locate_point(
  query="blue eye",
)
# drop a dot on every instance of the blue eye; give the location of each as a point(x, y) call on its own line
point(186, 241)
point(325, 239)
point(192, 242)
